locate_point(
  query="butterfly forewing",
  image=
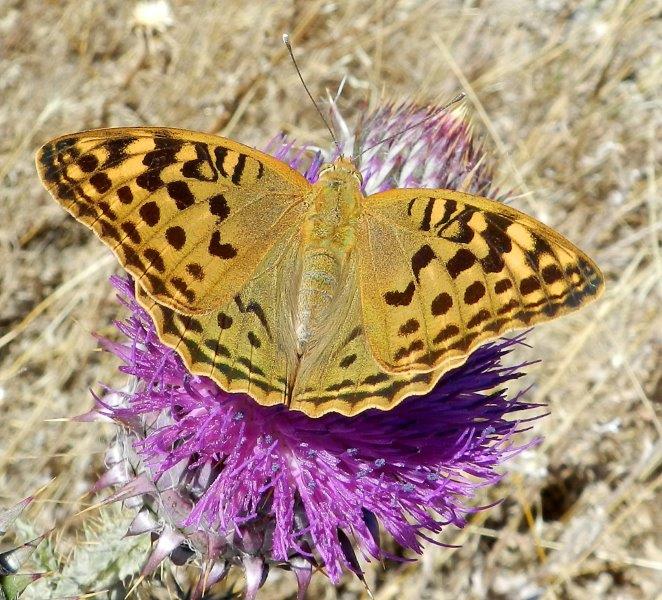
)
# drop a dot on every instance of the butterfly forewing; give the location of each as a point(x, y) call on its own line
point(443, 271)
point(189, 215)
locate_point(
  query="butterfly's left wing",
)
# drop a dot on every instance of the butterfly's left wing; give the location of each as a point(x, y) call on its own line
point(240, 343)
point(443, 271)
point(188, 214)
point(205, 225)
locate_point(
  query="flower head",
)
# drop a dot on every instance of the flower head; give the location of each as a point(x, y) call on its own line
point(234, 482)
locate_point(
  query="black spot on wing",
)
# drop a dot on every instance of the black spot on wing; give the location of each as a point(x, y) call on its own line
point(101, 182)
point(218, 206)
point(474, 292)
point(409, 327)
point(224, 321)
point(252, 368)
point(150, 181)
point(217, 348)
point(88, 163)
point(481, 316)
point(441, 304)
point(495, 233)
point(397, 298)
point(551, 274)
point(176, 237)
point(528, 285)
point(219, 154)
point(347, 361)
point(427, 215)
point(336, 387)
point(376, 378)
point(220, 250)
point(239, 169)
point(258, 311)
point(446, 333)
point(253, 340)
point(154, 258)
point(116, 149)
point(150, 213)
point(406, 351)
point(462, 260)
point(131, 231)
point(180, 192)
point(196, 271)
point(421, 259)
point(181, 286)
point(356, 332)
point(125, 194)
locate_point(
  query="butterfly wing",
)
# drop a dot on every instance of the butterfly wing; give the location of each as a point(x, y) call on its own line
point(189, 215)
point(342, 374)
point(239, 344)
point(443, 271)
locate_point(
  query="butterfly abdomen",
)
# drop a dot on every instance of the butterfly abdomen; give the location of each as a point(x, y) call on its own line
point(327, 241)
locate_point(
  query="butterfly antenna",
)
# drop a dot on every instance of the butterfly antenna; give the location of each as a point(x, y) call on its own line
point(455, 100)
point(286, 41)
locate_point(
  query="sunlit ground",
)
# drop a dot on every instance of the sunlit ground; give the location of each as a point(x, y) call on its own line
point(563, 95)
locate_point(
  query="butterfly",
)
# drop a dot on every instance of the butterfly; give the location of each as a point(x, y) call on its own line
point(310, 295)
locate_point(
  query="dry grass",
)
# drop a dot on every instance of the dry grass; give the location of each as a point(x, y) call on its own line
point(564, 93)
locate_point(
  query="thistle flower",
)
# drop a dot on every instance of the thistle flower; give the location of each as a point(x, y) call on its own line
point(216, 475)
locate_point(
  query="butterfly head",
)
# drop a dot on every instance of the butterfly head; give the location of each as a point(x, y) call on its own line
point(342, 169)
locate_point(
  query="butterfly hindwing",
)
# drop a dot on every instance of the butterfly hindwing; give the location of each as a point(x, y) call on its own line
point(189, 215)
point(239, 344)
point(343, 375)
point(444, 271)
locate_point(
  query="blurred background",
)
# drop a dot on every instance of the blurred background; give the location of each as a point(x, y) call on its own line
point(565, 97)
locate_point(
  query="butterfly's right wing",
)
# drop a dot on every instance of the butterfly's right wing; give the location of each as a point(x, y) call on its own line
point(189, 215)
point(443, 272)
point(342, 375)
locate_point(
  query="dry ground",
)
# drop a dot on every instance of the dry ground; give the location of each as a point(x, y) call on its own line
point(564, 94)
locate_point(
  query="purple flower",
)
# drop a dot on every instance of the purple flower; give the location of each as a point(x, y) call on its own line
point(234, 482)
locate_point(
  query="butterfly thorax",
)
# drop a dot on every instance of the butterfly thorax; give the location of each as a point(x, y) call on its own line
point(327, 241)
